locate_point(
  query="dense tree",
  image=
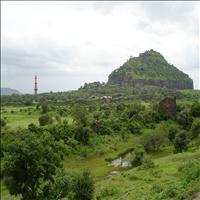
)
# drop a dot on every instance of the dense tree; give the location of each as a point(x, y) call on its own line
point(134, 126)
point(184, 118)
point(152, 141)
point(195, 129)
point(180, 142)
point(30, 160)
point(44, 108)
point(82, 134)
point(195, 109)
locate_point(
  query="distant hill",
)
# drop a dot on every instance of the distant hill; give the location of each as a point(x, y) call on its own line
point(9, 91)
point(150, 68)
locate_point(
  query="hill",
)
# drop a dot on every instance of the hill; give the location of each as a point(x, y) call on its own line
point(9, 91)
point(150, 68)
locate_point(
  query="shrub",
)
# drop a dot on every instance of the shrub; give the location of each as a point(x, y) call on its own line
point(152, 141)
point(44, 108)
point(147, 163)
point(180, 142)
point(82, 134)
point(195, 109)
point(45, 120)
point(184, 118)
point(195, 129)
point(134, 126)
point(3, 122)
point(137, 157)
point(83, 187)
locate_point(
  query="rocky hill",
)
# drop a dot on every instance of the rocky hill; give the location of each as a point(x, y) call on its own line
point(9, 91)
point(150, 68)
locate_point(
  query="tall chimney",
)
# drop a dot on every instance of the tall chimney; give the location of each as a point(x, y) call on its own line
point(36, 87)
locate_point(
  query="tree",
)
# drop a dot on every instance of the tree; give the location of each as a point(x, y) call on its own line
point(134, 126)
point(184, 118)
point(45, 120)
point(180, 142)
point(30, 160)
point(152, 141)
point(195, 109)
point(82, 134)
point(83, 187)
point(80, 115)
point(195, 130)
point(45, 108)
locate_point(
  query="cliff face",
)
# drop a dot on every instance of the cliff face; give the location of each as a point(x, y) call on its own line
point(150, 68)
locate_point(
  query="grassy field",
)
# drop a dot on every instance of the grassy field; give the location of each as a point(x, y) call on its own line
point(22, 116)
point(137, 183)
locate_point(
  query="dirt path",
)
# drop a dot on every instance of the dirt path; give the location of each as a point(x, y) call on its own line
point(197, 196)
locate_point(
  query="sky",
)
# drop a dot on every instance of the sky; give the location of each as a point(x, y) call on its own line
point(69, 43)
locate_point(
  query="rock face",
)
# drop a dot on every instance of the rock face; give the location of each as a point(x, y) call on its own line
point(168, 106)
point(150, 68)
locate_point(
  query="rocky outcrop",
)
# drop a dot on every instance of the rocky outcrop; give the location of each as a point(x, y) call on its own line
point(171, 84)
point(168, 106)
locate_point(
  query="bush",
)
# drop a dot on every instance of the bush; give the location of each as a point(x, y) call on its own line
point(83, 187)
point(82, 134)
point(180, 142)
point(195, 129)
point(147, 163)
point(134, 127)
point(184, 118)
point(137, 157)
point(190, 171)
point(45, 108)
point(3, 122)
point(152, 141)
point(195, 109)
point(45, 120)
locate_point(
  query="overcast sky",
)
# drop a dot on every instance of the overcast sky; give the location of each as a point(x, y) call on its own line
point(69, 43)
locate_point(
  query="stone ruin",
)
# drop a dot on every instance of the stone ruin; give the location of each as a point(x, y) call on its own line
point(167, 106)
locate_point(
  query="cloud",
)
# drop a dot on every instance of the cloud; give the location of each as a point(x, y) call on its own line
point(69, 43)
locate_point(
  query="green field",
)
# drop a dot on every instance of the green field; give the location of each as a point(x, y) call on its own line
point(22, 116)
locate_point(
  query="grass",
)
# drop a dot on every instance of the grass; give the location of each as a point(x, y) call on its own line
point(22, 116)
point(137, 184)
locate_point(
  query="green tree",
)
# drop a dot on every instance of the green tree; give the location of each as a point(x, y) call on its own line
point(80, 114)
point(30, 160)
point(134, 126)
point(184, 118)
point(44, 108)
point(152, 141)
point(195, 129)
point(180, 142)
point(195, 109)
point(82, 134)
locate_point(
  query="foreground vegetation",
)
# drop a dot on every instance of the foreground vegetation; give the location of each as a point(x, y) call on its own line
point(64, 150)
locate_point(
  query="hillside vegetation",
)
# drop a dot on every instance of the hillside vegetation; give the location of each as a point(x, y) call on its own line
point(150, 68)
